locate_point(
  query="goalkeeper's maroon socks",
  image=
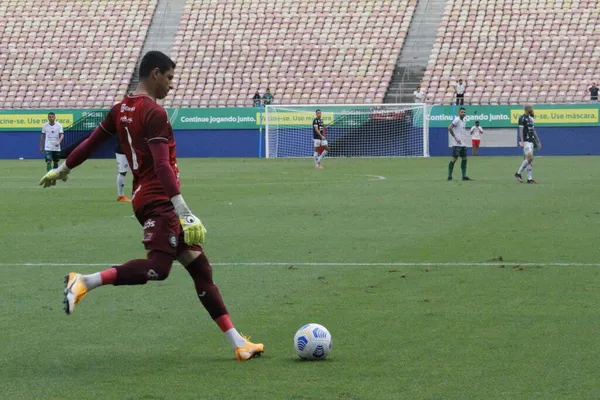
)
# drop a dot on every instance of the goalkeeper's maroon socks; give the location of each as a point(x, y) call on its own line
point(135, 272)
point(108, 276)
point(210, 297)
point(138, 272)
point(224, 322)
point(231, 334)
point(208, 293)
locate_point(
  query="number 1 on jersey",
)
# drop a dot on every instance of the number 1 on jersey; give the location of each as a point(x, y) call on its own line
point(133, 155)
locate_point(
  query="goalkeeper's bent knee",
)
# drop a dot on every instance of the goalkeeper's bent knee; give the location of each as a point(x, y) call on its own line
point(138, 272)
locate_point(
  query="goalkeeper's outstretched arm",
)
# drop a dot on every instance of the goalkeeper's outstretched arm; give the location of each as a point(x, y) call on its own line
point(87, 147)
point(76, 158)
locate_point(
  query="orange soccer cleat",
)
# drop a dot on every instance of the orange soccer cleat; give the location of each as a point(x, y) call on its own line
point(124, 199)
point(250, 350)
point(75, 291)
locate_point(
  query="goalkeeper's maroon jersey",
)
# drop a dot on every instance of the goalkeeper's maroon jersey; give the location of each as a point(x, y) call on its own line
point(137, 121)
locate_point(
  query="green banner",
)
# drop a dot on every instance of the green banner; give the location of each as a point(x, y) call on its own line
point(508, 116)
point(32, 120)
point(214, 118)
point(250, 118)
point(181, 118)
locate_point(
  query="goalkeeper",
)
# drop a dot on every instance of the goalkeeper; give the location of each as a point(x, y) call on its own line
point(171, 231)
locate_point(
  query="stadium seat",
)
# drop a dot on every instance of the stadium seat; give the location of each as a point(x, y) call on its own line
point(491, 44)
point(75, 44)
point(280, 45)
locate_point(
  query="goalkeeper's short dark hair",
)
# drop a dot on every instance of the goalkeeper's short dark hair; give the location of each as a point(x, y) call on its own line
point(155, 59)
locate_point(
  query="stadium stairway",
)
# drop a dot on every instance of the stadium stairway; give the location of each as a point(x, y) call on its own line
point(415, 53)
point(162, 31)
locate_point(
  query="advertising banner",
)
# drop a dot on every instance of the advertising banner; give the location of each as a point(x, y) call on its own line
point(508, 116)
point(32, 120)
point(501, 116)
point(213, 118)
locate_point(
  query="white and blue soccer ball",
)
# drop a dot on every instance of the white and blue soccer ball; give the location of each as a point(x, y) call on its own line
point(312, 342)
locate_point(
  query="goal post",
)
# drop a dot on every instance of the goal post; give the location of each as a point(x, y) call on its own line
point(352, 130)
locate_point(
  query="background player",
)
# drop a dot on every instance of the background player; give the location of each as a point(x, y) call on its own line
point(321, 147)
point(476, 133)
point(52, 137)
point(458, 131)
point(528, 141)
point(171, 231)
point(122, 167)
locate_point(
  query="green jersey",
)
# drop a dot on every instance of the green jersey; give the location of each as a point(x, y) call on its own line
point(267, 98)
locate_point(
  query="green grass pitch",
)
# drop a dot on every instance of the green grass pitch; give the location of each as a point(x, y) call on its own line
point(431, 289)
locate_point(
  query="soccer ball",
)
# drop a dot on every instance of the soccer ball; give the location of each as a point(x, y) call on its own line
point(312, 342)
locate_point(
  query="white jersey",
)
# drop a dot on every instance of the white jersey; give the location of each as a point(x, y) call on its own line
point(476, 132)
point(418, 96)
point(460, 131)
point(52, 133)
point(460, 89)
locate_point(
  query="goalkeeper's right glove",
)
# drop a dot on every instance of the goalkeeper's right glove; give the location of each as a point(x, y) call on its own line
point(62, 173)
point(193, 230)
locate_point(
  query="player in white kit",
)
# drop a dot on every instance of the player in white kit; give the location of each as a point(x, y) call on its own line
point(52, 136)
point(458, 131)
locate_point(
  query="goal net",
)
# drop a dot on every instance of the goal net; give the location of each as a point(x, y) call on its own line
point(381, 130)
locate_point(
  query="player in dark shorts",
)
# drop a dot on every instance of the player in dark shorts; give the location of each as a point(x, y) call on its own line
point(321, 147)
point(458, 131)
point(170, 229)
point(529, 141)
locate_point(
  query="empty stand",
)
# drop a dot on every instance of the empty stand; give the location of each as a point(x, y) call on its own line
point(310, 51)
point(516, 51)
point(68, 53)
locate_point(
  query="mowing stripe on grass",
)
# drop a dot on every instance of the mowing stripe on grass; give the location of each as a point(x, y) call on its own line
point(332, 264)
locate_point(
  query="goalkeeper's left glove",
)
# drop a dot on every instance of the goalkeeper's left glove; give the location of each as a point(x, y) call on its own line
point(193, 230)
point(62, 173)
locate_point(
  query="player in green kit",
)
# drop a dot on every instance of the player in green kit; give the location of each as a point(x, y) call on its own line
point(458, 131)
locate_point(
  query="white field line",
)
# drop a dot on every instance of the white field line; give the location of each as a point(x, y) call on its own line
point(224, 182)
point(376, 177)
point(331, 264)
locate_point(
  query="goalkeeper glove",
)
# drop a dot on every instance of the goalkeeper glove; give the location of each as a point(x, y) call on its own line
point(62, 173)
point(193, 230)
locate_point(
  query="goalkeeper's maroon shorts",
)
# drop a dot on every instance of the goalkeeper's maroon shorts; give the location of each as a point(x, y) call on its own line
point(162, 229)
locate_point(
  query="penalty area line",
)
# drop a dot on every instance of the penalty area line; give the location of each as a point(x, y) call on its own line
point(332, 264)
